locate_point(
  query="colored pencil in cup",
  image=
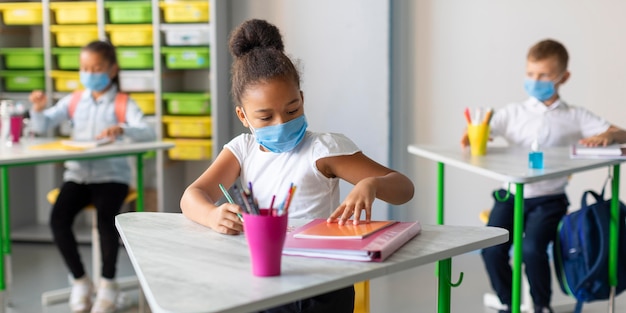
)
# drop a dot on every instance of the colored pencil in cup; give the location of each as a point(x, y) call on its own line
point(488, 116)
point(468, 118)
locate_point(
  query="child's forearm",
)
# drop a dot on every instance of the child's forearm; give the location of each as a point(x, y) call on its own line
point(196, 206)
point(618, 134)
point(394, 188)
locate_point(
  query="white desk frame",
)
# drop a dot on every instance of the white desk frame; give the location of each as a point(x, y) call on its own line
point(511, 165)
point(21, 155)
point(184, 267)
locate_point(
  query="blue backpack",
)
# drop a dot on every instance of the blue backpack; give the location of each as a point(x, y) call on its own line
point(581, 251)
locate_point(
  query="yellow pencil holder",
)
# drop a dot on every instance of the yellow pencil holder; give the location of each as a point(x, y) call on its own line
point(478, 136)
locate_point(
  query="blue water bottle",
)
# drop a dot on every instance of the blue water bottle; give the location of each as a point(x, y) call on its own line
point(535, 157)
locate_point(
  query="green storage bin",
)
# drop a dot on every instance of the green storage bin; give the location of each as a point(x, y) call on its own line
point(188, 103)
point(186, 57)
point(23, 58)
point(135, 58)
point(67, 58)
point(129, 12)
point(23, 80)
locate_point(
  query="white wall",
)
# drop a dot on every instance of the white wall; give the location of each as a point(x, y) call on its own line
point(449, 54)
point(343, 50)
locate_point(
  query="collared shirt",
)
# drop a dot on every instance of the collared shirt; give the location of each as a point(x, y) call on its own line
point(90, 118)
point(557, 125)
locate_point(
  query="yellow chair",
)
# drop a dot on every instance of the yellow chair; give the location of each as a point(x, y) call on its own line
point(95, 237)
point(362, 297)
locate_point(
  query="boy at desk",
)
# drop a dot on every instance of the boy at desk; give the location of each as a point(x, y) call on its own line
point(280, 151)
point(544, 119)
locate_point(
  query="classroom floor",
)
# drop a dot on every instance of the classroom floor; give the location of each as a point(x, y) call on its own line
point(37, 267)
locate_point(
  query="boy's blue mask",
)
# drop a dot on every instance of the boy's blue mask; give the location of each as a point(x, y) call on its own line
point(540, 89)
point(95, 81)
point(280, 138)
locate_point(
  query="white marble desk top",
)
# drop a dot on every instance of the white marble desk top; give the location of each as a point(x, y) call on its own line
point(185, 267)
point(510, 164)
point(21, 153)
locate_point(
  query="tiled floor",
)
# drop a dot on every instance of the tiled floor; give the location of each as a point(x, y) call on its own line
point(38, 268)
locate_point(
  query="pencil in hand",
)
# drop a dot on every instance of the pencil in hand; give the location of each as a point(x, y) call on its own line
point(230, 199)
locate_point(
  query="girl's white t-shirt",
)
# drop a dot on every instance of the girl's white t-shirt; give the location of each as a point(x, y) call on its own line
point(271, 174)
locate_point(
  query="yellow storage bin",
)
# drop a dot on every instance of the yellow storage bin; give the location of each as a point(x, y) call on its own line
point(145, 101)
point(74, 36)
point(74, 12)
point(66, 81)
point(130, 35)
point(190, 149)
point(185, 11)
point(22, 13)
point(188, 126)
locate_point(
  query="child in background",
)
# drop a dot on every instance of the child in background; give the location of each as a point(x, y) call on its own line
point(545, 120)
point(280, 151)
point(104, 183)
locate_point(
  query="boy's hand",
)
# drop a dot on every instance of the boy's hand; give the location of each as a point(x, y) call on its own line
point(112, 132)
point(38, 99)
point(359, 199)
point(465, 140)
point(223, 219)
point(598, 140)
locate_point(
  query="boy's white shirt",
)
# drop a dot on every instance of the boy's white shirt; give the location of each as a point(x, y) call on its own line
point(90, 118)
point(558, 125)
point(316, 196)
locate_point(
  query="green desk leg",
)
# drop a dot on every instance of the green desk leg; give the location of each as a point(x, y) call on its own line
point(613, 235)
point(139, 204)
point(4, 214)
point(518, 230)
point(444, 267)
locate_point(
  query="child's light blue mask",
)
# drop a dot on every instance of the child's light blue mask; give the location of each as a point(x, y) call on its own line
point(95, 81)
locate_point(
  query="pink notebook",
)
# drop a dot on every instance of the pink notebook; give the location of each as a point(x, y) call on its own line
point(374, 248)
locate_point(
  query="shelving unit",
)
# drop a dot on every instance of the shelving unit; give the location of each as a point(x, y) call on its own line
point(153, 66)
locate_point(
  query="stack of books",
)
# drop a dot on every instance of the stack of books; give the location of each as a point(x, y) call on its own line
point(374, 241)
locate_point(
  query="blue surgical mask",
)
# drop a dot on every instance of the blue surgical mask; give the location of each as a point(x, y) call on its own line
point(540, 89)
point(280, 138)
point(95, 81)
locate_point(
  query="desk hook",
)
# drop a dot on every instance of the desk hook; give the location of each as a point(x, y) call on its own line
point(458, 283)
point(506, 197)
point(448, 279)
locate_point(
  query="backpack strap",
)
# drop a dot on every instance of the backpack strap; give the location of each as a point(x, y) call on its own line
point(74, 102)
point(121, 99)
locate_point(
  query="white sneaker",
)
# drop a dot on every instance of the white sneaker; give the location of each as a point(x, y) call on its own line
point(106, 297)
point(80, 297)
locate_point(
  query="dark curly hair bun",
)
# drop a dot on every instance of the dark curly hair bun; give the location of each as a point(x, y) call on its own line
point(254, 34)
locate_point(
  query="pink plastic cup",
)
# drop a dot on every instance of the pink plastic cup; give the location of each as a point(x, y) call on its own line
point(16, 128)
point(266, 236)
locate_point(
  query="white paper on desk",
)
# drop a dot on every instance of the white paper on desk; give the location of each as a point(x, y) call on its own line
point(614, 151)
point(87, 144)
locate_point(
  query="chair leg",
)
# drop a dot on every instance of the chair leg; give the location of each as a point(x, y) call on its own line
point(95, 249)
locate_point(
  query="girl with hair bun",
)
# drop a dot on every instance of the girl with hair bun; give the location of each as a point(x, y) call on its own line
point(280, 151)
